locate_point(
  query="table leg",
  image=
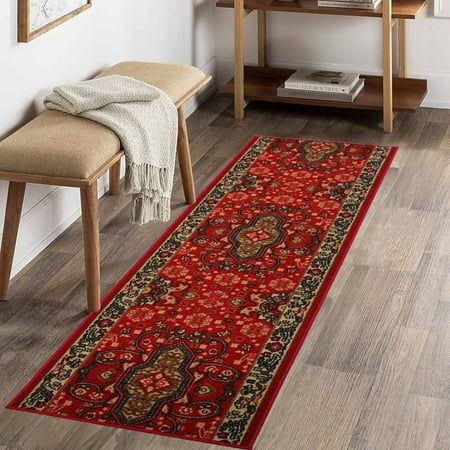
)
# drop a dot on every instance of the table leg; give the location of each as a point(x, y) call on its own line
point(402, 46)
point(388, 116)
point(239, 102)
point(262, 42)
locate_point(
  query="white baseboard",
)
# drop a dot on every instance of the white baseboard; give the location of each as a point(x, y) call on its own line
point(53, 214)
point(438, 82)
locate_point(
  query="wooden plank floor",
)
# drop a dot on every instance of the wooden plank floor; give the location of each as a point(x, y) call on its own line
point(375, 370)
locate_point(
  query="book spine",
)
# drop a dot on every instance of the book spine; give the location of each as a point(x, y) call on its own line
point(294, 93)
point(370, 2)
point(316, 87)
point(337, 97)
point(339, 4)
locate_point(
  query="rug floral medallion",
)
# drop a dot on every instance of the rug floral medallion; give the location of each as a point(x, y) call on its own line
point(198, 340)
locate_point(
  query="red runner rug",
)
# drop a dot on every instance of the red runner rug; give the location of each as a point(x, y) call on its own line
point(196, 340)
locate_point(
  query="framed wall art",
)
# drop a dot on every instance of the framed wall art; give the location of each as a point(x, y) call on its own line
point(39, 16)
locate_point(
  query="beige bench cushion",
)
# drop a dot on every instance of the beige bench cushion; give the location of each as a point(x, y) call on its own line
point(178, 81)
point(59, 145)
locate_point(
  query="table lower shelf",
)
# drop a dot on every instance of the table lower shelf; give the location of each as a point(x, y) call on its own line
point(261, 84)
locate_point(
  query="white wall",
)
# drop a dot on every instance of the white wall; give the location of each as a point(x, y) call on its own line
point(111, 31)
point(347, 43)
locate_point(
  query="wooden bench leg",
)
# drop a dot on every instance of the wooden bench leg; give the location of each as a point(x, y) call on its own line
point(184, 159)
point(114, 179)
point(89, 210)
point(16, 192)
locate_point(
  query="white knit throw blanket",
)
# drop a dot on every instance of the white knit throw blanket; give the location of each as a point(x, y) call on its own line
point(146, 122)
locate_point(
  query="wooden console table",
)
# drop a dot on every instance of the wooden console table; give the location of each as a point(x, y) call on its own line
point(386, 93)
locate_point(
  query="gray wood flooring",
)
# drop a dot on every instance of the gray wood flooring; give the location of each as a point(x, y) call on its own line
point(374, 372)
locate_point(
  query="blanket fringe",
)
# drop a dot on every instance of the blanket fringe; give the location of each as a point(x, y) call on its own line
point(147, 209)
point(151, 193)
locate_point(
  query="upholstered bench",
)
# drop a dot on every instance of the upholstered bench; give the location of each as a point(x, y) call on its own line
point(63, 150)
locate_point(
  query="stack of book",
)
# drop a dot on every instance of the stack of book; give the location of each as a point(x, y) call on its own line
point(322, 85)
point(359, 4)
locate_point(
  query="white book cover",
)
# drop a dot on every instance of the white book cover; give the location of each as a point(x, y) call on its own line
point(319, 95)
point(354, 1)
point(347, 4)
point(322, 80)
